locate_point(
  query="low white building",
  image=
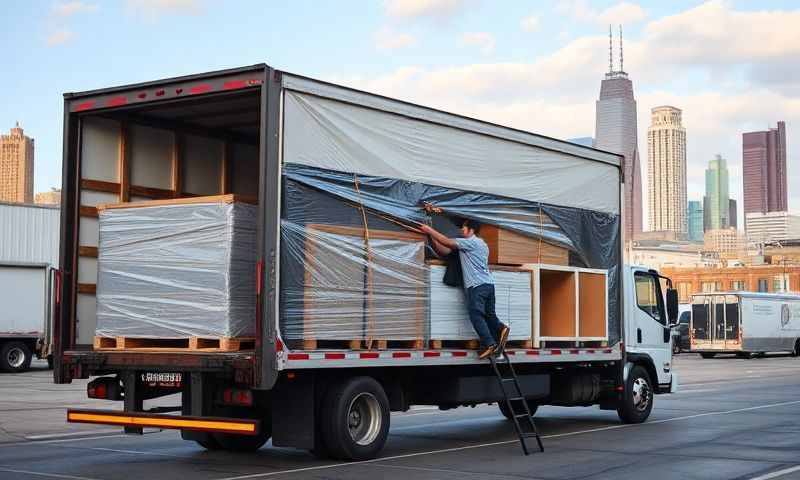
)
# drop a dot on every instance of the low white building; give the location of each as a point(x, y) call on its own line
point(772, 226)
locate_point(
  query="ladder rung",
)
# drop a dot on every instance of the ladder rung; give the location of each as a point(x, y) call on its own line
point(529, 435)
point(507, 379)
point(521, 415)
point(515, 399)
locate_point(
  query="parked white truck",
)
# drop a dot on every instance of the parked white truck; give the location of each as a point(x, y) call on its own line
point(745, 323)
point(312, 152)
point(28, 255)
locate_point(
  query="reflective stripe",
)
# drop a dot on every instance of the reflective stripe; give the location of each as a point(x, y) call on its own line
point(79, 417)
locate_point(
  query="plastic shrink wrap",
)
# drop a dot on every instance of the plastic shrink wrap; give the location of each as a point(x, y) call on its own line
point(177, 270)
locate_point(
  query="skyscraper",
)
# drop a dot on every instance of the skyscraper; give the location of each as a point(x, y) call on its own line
point(695, 221)
point(764, 170)
point(666, 173)
point(615, 131)
point(732, 214)
point(715, 205)
point(16, 167)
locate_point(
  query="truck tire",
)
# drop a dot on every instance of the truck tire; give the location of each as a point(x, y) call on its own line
point(708, 355)
point(15, 357)
point(355, 419)
point(506, 413)
point(233, 442)
point(637, 400)
point(208, 442)
point(796, 352)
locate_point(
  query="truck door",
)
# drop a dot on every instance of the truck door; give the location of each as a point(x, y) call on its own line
point(651, 334)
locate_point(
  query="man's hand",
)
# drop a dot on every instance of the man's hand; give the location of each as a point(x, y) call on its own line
point(430, 208)
point(437, 237)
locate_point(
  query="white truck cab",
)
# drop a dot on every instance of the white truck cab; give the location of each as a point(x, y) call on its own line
point(651, 308)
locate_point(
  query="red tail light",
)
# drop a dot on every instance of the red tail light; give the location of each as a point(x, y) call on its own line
point(237, 397)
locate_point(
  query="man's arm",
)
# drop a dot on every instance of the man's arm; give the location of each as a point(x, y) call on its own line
point(440, 249)
point(437, 236)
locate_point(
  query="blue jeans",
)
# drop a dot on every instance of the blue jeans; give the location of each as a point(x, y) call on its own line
point(480, 303)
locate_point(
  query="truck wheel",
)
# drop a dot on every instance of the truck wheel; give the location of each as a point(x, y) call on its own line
point(506, 413)
point(355, 419)
point(796, 352)
point(708, 355)
point(15, 357)
point(637, 401)
point(239, 443)
point(209, 443)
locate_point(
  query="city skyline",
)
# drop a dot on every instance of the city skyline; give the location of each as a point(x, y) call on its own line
point(536, 70)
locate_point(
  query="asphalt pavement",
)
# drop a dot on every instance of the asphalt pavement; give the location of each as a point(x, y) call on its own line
point(732, 419)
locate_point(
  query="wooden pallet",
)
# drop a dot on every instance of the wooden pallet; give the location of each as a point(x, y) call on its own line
point(528, 343)
point(412, 344)
point(459, 344)
point(317, 344)
point(223, 344)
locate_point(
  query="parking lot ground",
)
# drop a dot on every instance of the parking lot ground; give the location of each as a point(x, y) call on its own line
point(733, 418)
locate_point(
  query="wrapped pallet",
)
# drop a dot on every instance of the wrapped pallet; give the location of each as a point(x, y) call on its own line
point(449, 318)
point(360, 287)
point(177, 269)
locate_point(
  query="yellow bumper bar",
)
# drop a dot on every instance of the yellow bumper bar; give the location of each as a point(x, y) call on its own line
point(147, 420)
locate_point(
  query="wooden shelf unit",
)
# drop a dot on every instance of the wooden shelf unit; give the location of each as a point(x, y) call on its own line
point(570, 304)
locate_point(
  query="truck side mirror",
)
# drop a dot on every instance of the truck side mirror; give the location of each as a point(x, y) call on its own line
point(672, 305)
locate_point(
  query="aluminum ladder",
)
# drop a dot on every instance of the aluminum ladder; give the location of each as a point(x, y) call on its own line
point(517, 398)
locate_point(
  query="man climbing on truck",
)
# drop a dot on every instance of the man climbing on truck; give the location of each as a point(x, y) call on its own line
point(478, 283)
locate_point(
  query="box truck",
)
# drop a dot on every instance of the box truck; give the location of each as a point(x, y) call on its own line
point(349, 321)
point(745, 323)
point(28, 256)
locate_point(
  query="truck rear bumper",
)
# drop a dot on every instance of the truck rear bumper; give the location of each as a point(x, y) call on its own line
point(150, 420)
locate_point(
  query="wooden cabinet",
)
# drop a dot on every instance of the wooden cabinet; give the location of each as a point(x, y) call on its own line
point(511, 248)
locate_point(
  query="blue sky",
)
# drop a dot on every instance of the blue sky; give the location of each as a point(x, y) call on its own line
point(732, 66)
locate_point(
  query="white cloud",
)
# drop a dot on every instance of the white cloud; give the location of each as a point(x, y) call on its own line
point(59, 37)
point(483, 40)
point(387, 38)
point(530, 23)
point(418, 9)
point(555, 94)
point(67, 9)
point(152, 10)
point(625, 13)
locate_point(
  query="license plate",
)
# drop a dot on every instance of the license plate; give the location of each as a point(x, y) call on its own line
point(160, 379)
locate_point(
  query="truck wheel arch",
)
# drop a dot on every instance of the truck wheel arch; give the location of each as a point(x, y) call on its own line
point(643, 360)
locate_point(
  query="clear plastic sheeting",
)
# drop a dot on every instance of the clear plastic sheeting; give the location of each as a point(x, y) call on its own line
point(356, 284)
point(313, 195)
point(177, 271)
point(325, 133)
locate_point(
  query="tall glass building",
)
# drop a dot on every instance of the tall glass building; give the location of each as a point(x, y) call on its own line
point(716, 205)
point(694, 216)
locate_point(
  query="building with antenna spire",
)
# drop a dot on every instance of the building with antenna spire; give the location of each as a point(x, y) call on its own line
point(615, 131)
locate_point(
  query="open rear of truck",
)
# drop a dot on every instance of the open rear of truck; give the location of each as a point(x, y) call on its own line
point(317, 156)
point(744, 323)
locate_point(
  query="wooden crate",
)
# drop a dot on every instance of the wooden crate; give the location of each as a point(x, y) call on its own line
point(511, 248)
